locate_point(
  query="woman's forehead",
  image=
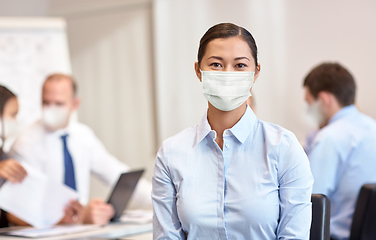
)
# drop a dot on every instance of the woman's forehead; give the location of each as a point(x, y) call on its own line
point(233, 46)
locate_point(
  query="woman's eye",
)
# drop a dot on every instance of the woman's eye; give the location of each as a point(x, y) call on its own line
point(216, 65)
point(240, 65)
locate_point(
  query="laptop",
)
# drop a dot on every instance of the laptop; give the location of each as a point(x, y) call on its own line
point(123, 191)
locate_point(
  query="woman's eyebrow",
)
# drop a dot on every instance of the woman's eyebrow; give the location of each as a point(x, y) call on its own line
point(219, 58)
point(239, 58)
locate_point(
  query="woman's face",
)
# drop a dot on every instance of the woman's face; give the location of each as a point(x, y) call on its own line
point(227, 54)
point(11, 108)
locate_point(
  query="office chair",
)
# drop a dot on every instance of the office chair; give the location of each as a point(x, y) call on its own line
point(363, 225)
point(320, 217)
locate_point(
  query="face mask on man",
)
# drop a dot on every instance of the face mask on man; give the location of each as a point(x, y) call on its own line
point(226, 91)
point(55, 117)
point(9, 127)
point(315, 114)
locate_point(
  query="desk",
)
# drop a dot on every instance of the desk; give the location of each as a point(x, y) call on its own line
point(145, 236)
point(124, 231)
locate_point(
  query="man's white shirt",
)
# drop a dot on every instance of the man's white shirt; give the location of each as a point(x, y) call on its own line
point(44, 150)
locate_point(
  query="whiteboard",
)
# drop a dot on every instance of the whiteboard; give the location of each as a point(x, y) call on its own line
point(30, 50)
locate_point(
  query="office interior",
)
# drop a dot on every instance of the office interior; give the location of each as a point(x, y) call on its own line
point(134, 62)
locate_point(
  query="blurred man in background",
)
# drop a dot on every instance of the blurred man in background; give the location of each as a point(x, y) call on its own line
point(342, 153)
point(68, 152)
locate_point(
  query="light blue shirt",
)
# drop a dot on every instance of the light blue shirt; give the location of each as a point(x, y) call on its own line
point(258, 187)
point(343, 158)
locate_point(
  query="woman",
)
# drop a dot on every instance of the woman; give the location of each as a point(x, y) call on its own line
point(9, 169)
point(231, 176)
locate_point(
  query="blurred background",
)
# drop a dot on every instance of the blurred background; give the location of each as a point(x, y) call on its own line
point(133, 61)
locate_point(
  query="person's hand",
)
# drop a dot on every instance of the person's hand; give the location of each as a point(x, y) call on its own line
point(12, 170)
point(99, 212)
point(74, 212)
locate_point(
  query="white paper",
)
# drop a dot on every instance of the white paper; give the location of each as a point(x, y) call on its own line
point(137, 216)
point(37, 200)
point(54, 231)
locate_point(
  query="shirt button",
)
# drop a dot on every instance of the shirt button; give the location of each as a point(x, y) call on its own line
point(227, 145)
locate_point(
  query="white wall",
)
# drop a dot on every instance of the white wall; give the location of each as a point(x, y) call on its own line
point(23, 8)
point(292, 36)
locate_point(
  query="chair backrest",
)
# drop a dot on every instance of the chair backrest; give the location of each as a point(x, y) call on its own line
point(363, 225)
point(320, 227)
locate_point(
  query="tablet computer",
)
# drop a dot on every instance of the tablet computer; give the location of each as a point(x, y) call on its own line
point(123, 191)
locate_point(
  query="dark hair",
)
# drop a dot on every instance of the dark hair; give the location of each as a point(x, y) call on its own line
point(333, 78)
point(226, 30)
point(61, 76)
point(5, 95)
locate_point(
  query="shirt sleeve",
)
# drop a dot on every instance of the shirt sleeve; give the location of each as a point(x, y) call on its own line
point(108, 168)
point(166, 224)
point(141, 198)
point(104, 165)
point(325, 166)
point(295, 189)
point(23, 150)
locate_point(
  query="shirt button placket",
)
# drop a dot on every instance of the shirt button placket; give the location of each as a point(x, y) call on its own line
point(226, 155)
point(220, 209)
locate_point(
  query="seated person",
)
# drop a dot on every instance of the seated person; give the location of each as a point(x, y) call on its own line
point(342, 153)
point(68, 151)
point(10, 169)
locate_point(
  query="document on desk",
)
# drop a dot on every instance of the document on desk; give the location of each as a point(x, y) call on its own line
point(53, 231)
point(37, 200)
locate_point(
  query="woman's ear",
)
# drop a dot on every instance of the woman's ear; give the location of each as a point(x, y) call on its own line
point(257, 72)
point(197, 70)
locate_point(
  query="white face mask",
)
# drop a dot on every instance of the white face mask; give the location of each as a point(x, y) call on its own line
point(10, 127)
point(55, 117)
point(226, 91)
point(315, 113)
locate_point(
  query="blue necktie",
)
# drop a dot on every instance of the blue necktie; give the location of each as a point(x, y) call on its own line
point(69, 178)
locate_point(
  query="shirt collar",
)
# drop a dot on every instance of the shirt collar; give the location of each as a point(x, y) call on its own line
point(243, 127)
point(240, 130)
point(343, 112)
point(203, 128)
